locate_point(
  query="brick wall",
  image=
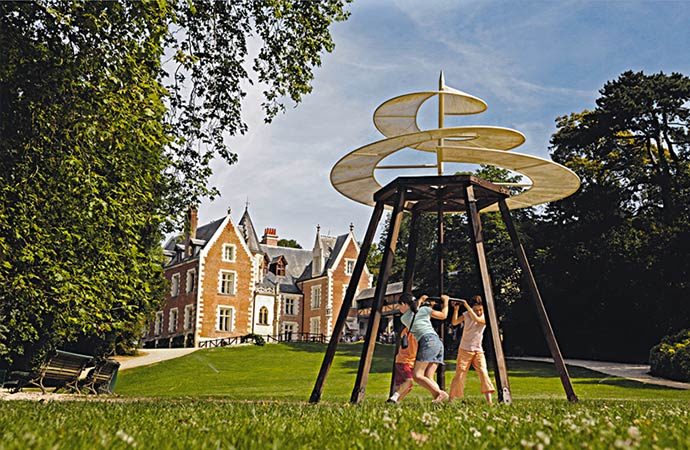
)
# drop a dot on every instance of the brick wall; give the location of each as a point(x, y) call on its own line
point(212, 298)
point(340, 279)
point(180, 301)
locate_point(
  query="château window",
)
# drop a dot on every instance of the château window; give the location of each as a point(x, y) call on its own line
point(175, 285)
point(315, 297)
point(172, 320)
point(349, 266)
point(190, 283)
point(225, 318)
point(263, 316)
point(315, 325)
point(227, 282)
point(158, 324)
point(188, 317)
point(290, 306)
point(229, 252)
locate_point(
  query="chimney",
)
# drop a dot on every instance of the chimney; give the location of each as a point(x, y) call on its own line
point(190, 229)
point(270, 237)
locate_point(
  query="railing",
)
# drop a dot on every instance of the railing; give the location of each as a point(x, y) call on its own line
point(221, 342)
point(298, 337)
point(284, 337)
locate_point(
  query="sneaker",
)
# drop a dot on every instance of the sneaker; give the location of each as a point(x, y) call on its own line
point(394, 398)
point(442, 397)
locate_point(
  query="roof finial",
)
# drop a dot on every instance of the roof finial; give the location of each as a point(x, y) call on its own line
point(318, 229)
point(352, 227)
point(441, 81)
point(229, 210)
point(246, 204)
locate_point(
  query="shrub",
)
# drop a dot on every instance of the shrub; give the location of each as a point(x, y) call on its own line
point(671, 358)
point(258, 340)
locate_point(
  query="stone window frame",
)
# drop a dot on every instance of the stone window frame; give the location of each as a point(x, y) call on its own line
point(231, 317)
point(172, 329)
point(190, 285)
point(175, 285)
point(158, 324)
point(234, 284)
point(349, 261)
point(188, 317)
point(234, 253)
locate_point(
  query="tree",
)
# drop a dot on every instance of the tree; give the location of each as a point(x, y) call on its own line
point(616, 251)
point(103, 147)
point(289, 243)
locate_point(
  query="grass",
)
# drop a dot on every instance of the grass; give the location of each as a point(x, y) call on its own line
point(251, 397)
point(287, 372)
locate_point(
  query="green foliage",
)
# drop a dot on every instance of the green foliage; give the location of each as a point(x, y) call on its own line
point(671, 357)
point(289, 243)
point(82, 168)
point(103, 147)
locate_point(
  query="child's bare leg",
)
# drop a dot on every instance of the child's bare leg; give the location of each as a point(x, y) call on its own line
point(404, 389)
point(420, 377)
point(430, 372)
point(488, 398)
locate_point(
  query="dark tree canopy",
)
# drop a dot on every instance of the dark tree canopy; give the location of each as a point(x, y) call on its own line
point(290, 243)
point(110, 114)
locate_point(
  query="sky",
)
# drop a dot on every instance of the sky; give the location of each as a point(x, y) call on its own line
point(531, 61)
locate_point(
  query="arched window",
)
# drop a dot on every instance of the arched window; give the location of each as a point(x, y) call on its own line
point(263, 316)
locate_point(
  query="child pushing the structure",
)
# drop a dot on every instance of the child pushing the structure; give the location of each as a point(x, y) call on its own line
point(470, 351)
point(404, 363)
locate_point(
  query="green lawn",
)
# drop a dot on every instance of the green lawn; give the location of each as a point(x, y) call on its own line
point(287, 372)
point(254, 397)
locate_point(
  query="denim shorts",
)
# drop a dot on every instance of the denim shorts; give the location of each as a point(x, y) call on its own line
point(430, 349)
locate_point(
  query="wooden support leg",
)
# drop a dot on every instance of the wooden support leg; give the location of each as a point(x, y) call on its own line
point(347, 303)
point(477, 238)
point(379, 294)
point(536, 298)
point(441, 371)
point(408, 280)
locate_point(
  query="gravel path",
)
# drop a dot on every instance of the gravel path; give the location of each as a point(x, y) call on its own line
point(152, 356)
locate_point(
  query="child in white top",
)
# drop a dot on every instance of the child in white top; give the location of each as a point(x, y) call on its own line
point(470, 351)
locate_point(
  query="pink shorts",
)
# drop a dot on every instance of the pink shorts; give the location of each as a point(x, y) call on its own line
point(403, 372)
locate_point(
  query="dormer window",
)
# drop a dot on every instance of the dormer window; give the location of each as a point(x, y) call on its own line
point(277, 266)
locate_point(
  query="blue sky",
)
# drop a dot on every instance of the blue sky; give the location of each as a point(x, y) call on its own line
point(531, 61)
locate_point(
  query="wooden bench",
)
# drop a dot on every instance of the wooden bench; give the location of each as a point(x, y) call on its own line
point(101, 379)
point(61, 370)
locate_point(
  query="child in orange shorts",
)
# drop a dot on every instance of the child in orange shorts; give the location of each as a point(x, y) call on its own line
point(470, 351)
point(404, 362)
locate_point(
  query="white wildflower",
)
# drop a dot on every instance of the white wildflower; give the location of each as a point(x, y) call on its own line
point(546, 439)
point(419, 438)
point(634, 433)
point(429, 419)
point(126, 438)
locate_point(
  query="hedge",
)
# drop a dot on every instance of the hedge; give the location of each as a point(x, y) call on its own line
point(671, 358)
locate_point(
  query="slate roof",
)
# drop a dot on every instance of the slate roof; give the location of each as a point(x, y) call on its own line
point(391, 289)
point(203, 234)
point(333, 246)
point(248, 231)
